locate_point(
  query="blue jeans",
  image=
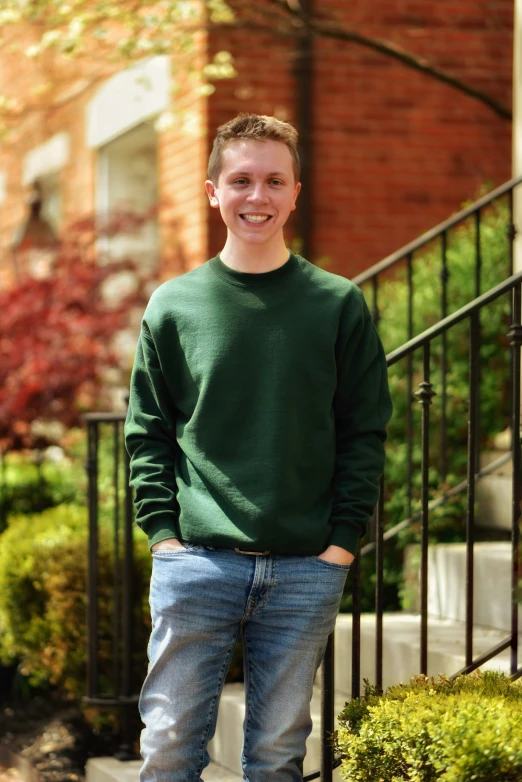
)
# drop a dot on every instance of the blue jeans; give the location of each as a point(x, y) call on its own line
point(201, 599)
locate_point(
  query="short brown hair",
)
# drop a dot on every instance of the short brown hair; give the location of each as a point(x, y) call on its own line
point(257, 127)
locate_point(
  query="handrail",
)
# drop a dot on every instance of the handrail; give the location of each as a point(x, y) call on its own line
point(451, 320)
point(433, 233)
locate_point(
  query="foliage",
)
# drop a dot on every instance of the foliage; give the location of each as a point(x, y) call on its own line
point(56, 340)
point(29, 486)
point(43, 588)
point(452, 731)
point(447, 522)
point(494, 355)
point(103, 36)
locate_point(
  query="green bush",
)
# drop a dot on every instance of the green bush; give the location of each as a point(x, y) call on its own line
point(452, 731)
point(43, 597)
point(447, 522)
point(29, 483)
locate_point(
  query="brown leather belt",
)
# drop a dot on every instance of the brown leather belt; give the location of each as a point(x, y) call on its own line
point(240, 551)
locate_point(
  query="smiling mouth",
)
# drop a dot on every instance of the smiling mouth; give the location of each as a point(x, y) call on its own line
point(255, 219)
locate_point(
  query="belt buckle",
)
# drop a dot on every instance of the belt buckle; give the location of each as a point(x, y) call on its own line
point(254, 553)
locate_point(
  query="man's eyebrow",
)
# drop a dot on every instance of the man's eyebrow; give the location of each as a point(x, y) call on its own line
point(249, 173)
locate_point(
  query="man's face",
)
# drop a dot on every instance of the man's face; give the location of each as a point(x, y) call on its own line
point(256, 190)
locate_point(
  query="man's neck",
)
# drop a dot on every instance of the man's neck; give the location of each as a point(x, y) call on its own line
point(252, 259)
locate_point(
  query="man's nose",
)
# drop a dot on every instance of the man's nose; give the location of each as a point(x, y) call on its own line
point(257, 194)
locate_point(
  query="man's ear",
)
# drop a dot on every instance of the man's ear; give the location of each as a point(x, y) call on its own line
point(296, 193)
point(212, 194)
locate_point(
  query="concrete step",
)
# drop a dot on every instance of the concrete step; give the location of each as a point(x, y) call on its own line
point(447, 583)
point(112, 770)
point(225, 747)
point(494, 492)
point(401, 648)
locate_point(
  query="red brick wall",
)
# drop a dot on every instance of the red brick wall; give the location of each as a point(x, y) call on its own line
point(265, 85)
point(394, 150)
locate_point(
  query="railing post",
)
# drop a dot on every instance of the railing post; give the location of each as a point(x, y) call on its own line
point(376, 315)
point(327, 710)
point(474, 353)
point(125, 751)
point(425, 395)
point(379, 585)
point(92, 558)
point(515, 335)
point(356, 627)
point(409, 409)
point(444, 276)
point(512, 230)
point(116, 565)
point(478, 253)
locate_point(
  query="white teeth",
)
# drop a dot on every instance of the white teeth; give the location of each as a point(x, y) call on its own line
point(256, 218)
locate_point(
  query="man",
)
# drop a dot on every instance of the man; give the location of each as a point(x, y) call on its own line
point(256, 428)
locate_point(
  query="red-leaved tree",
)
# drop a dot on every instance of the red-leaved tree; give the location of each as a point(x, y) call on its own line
point(57, 336)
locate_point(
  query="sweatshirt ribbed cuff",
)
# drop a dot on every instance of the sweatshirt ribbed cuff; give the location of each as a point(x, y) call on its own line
point(346, 537)
point(161, 529)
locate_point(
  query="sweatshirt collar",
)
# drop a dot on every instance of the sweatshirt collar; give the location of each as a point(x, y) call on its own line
point(248, 279)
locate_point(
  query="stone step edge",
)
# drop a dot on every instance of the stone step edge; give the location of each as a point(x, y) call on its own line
point(109, 769)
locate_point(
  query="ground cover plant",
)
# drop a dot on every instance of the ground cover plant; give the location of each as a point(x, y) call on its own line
point(435, 729)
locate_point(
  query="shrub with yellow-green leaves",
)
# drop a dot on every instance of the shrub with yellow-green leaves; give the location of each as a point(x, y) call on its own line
point(465, 730)
point(43, 599)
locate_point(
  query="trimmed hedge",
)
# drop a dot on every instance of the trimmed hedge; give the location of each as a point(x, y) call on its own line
point(453, 731)
point(43, 587)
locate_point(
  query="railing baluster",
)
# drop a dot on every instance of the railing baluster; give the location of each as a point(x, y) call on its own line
point(327, 710)
point(474, 353)
point(425, 395)
point(478, 281)
point(515, 342)
point(92, 569)
point(379, 585)
point(512, 230)
point(356, 626)
point(409, 409)
point(376, 315)
point(478, 254)
point(125, 750)
point(444, 276)
point(116, 565)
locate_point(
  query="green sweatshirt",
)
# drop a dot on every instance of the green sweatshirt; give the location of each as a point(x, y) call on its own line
point(258, 410)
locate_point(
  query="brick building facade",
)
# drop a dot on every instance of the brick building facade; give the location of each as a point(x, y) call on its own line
point(393, 151)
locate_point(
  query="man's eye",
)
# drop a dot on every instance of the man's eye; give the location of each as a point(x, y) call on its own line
point(240, 181)
point(276, 182)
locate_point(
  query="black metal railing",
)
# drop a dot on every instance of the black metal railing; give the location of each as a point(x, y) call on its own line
point(406, 257)
point(436, 246)
point(118, 522)
point(420, 354)
point(427, 389)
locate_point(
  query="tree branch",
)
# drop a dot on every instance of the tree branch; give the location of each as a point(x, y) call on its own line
point(327, 29)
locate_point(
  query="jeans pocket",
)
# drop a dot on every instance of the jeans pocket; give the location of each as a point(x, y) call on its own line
point(189, 548)
point(333, 565)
